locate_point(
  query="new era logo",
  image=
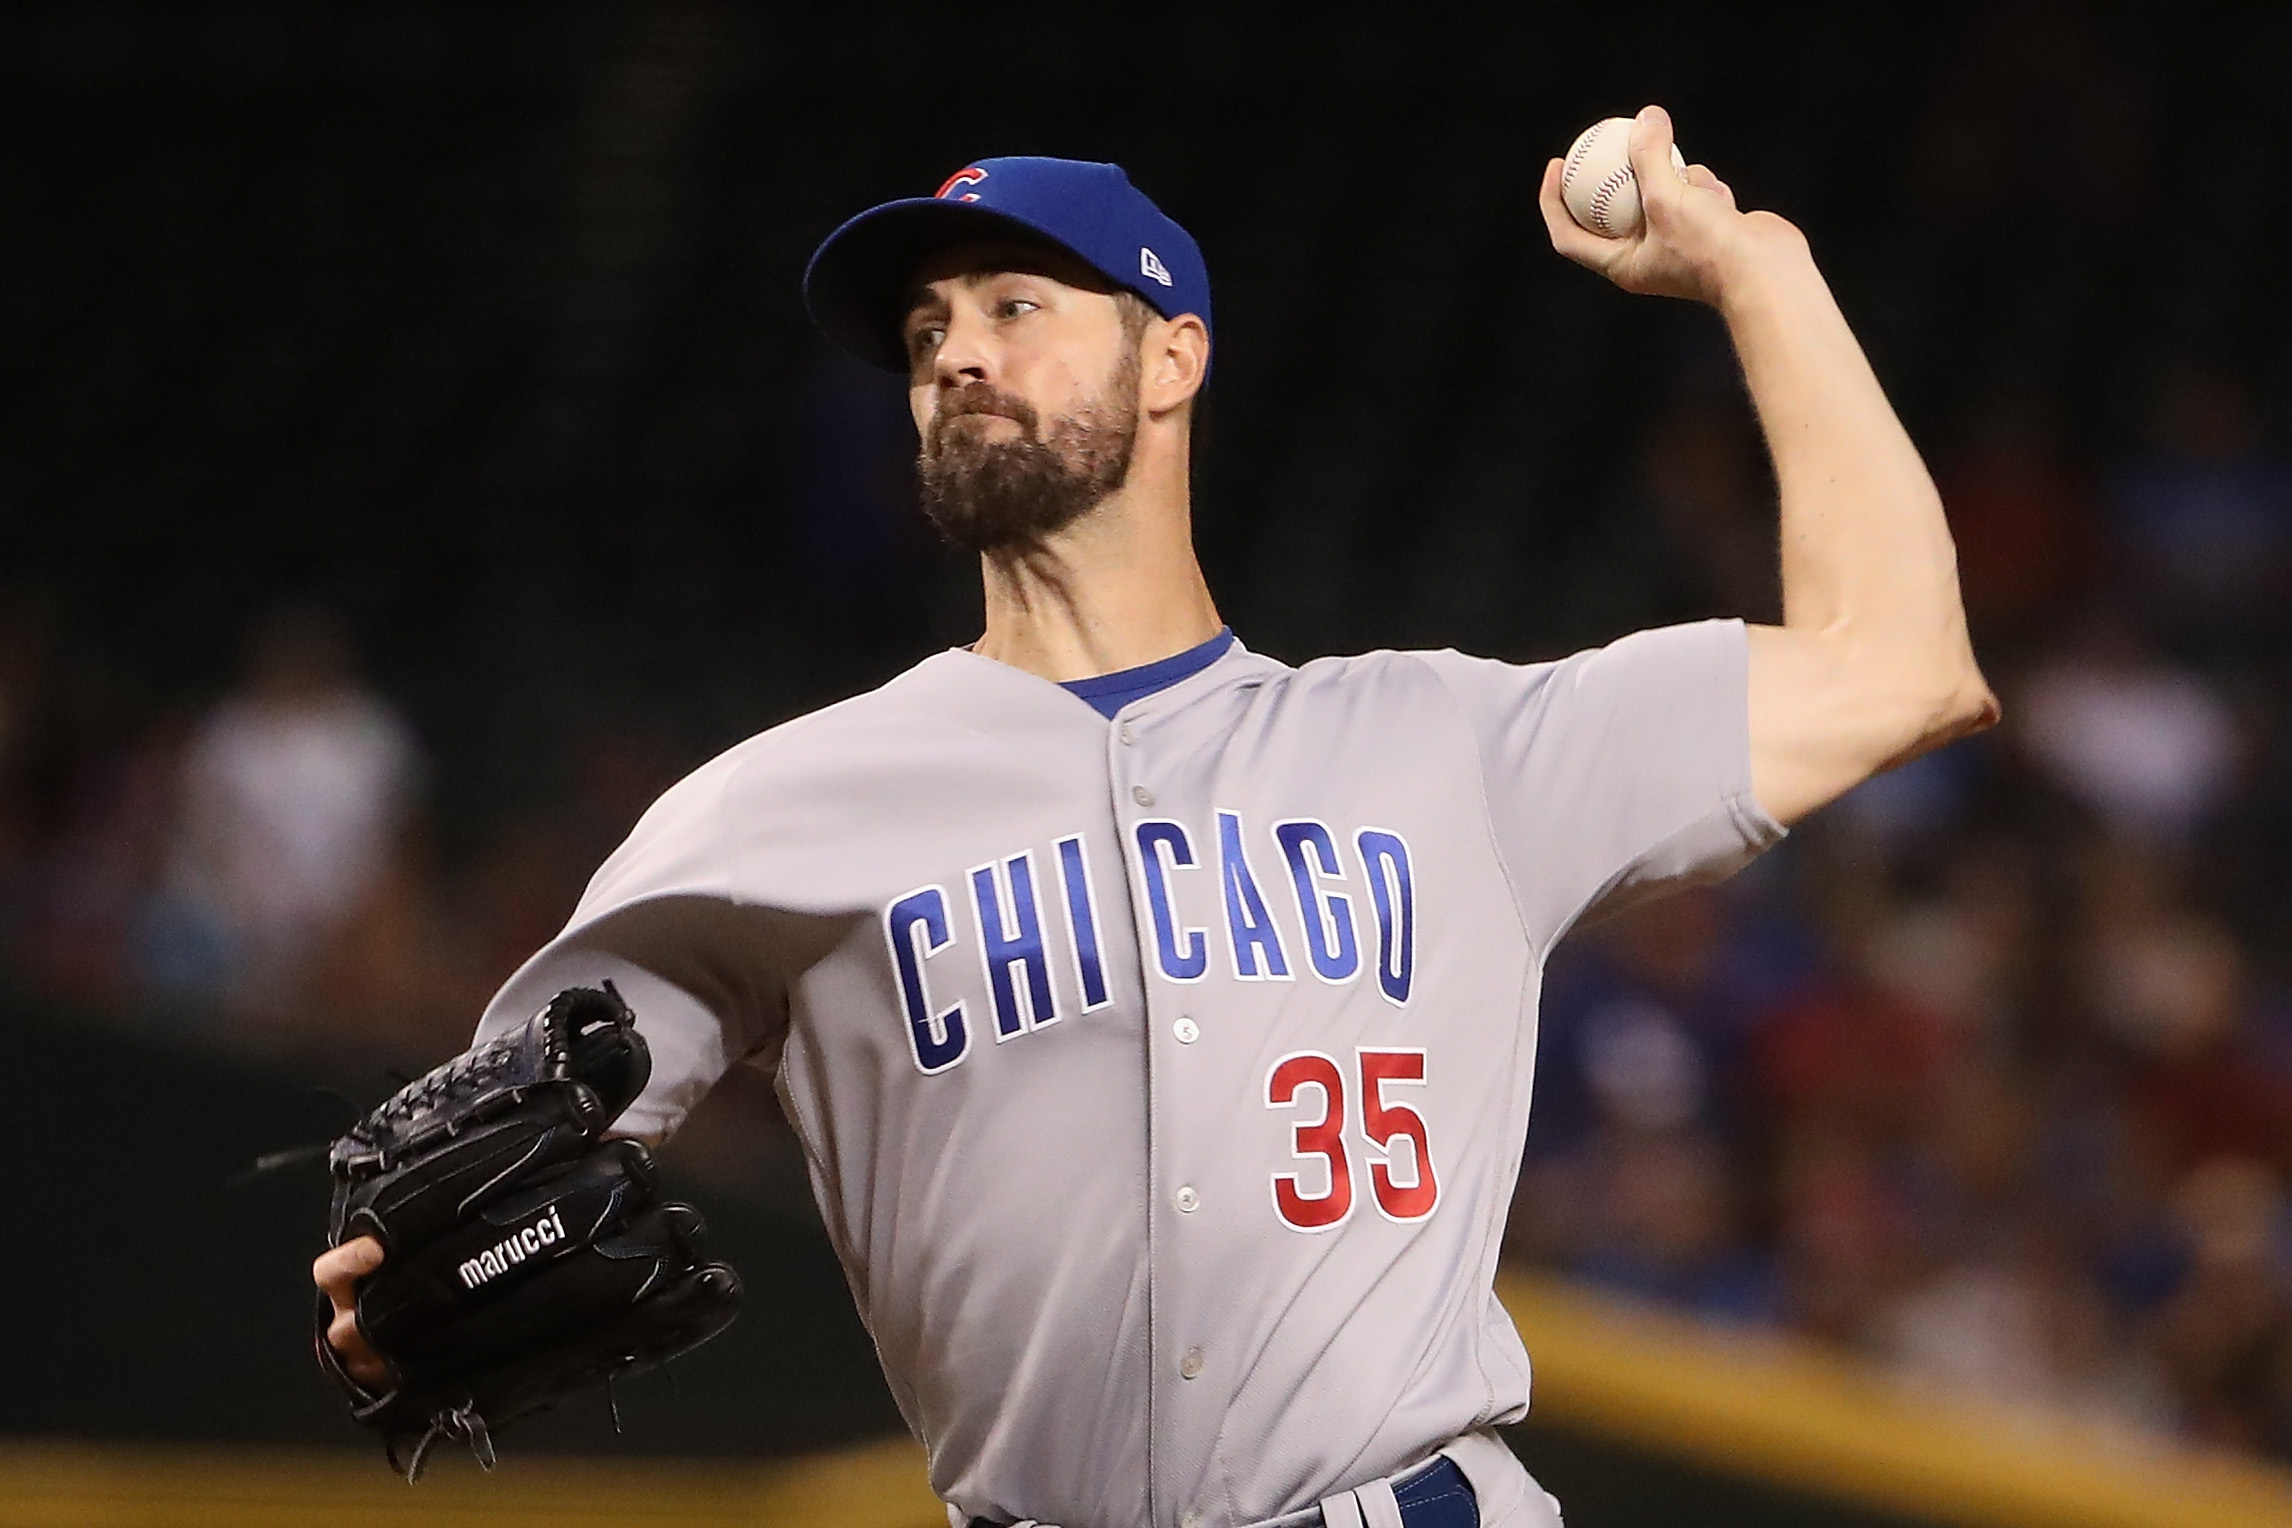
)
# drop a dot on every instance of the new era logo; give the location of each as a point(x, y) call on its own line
point(1150, 264)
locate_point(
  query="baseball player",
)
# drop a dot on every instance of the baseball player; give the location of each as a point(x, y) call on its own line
point(1158, 1019)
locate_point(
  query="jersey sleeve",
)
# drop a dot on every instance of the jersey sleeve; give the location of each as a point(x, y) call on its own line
point(1617, 773)
point(659, 921)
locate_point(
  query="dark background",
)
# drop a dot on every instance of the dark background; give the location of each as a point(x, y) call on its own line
point(482, 322)
point(474, 330)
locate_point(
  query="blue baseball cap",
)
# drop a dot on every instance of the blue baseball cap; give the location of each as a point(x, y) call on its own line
point(858, 283)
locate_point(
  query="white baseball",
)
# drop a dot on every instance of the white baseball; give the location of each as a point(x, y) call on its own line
point(1597, 183)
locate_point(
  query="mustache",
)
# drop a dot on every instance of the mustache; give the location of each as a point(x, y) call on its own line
point(980, 398)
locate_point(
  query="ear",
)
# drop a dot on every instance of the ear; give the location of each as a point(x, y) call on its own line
point(1175, 357)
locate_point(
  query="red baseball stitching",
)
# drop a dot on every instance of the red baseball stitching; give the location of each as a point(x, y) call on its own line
point(1603, 199)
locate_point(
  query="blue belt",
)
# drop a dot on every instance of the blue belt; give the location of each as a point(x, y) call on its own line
point(1439, 1497)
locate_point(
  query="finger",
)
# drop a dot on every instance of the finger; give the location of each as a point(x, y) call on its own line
point(1701, 177)
point(349, 1343)
point(1570, 237)
point(1548, 198)
point(1649, 148)
point(338, 1269)
point(1557, 221)
point(337, 1272)
point(348, 1263)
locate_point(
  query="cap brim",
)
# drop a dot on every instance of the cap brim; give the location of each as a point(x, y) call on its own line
point(857, 286)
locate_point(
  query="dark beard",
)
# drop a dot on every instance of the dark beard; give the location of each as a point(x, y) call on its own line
point(1002, 496)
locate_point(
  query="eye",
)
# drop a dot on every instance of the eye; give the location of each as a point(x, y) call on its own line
point(1014, 307)
point(925, 339)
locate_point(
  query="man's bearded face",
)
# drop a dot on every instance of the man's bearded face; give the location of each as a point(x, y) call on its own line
point(999, 495)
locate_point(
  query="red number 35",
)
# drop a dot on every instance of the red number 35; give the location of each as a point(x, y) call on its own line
point(1401, 1180)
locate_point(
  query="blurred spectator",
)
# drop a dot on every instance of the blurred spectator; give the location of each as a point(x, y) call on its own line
point(1848, 1059)
point(94, 879)
point(2021, 515)
point(1665, 1225)
point(2023, 1330)
point(1640, 1024)
point(2170, 988)
point(1630, 1179)
point(295, 789)
point(2204, 517)
point(1963, 958)
point(2151, 748)
point(1843, 1234)
point(1911, 807)
point(2227, 1334)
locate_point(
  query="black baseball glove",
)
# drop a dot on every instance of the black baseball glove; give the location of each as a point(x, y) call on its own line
point(525, 1257)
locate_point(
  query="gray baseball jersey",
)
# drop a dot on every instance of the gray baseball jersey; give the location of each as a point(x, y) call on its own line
point(1163, 1080)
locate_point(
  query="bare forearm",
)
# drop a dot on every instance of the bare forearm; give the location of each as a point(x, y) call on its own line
point(1866, 554)
point(1871, 664)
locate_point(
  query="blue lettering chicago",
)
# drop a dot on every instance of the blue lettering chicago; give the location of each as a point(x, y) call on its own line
point(1353, 897)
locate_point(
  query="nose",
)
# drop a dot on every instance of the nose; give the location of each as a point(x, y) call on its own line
point(965, 353)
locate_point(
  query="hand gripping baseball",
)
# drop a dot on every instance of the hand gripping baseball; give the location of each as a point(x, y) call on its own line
point(1692, 238)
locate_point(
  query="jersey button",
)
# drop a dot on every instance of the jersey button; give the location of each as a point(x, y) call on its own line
point(1141, 795)
point(1124, 733)
point(1189, 1519)
point(1190, 1366)
point(1187, 1031)
point(1188, 1201)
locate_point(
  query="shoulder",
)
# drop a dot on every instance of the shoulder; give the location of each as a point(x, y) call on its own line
point(781, 780)
point(1650, 663)
point(1385, 682)
point(1694, 646)
point(1385, 676)
point(818, 743)
point(1381, 668)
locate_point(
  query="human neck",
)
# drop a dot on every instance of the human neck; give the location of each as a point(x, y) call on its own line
point(1118, 588)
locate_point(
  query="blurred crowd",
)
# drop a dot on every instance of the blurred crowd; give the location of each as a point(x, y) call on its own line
point(264, 873)
point(1986, 1071)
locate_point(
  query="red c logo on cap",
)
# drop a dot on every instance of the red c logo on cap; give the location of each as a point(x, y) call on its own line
point(969, 177)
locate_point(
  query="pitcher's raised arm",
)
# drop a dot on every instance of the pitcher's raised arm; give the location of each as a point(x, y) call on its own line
point(1872, 664)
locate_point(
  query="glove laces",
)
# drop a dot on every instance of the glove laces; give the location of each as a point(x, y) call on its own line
point(461, 1423)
